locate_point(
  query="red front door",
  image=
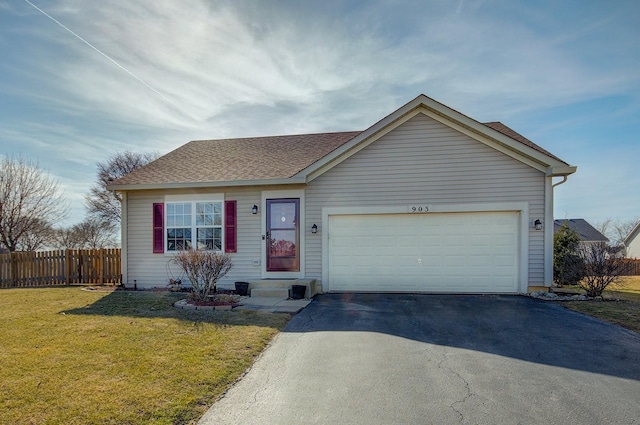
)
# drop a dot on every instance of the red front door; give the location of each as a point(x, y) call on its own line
point(283, 235)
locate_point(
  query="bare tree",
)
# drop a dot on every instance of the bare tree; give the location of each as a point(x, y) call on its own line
point(602, 267)
point(623, 228)
point(103, 204)
point(616, 230)
point(89, 234)
point(204, 269)
point(40, 236)
point(29, 201)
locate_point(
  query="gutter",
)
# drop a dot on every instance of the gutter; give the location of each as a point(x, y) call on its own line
point(192, 185)
point(561, 171)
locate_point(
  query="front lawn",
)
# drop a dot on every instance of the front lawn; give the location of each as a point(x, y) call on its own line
point(70, 356)
point(625, 312)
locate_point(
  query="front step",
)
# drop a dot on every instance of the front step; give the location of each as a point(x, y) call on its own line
point(270, 292)
point(280, 287)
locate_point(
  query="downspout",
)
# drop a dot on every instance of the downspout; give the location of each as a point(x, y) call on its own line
point(124, 242)
point(564, 180)
point(548, 229)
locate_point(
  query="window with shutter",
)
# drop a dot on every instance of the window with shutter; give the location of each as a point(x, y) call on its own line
point(230, 227)
point(194, 224)
point(158, 228)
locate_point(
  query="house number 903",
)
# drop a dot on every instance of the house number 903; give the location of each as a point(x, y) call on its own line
point(418, 208)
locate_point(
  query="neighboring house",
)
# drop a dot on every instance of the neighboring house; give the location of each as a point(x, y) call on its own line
point(632, 242)
point(425, 200)
point(588, 234)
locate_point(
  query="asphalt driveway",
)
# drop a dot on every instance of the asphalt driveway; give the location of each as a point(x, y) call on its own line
point(441, 359)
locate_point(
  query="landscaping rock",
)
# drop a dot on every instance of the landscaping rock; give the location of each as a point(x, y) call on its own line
point(550, 296)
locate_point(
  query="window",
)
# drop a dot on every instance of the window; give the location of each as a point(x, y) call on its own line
point(196, 225)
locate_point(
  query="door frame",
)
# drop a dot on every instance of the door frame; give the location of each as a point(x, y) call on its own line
point(283, 194)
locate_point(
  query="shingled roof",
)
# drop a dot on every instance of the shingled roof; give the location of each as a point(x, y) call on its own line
point(281, 159)
point(501, 128)
point(586, 231)
point(247, 159)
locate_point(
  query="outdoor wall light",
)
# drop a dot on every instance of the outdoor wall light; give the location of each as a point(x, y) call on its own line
point(537, 224)
point(254, 210)
point(314, 229)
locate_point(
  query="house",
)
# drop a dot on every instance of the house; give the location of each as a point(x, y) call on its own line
point(425, 200)
point(632, 242)
point(587, 233)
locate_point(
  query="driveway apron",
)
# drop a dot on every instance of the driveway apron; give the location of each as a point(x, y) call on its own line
point(439, 359)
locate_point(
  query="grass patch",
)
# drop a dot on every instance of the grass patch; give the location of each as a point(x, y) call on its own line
point(81, 357)
point(625, 312)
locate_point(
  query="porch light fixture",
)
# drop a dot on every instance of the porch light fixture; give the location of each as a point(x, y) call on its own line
point(537, 224)
point(314, 229)
point(254, 210)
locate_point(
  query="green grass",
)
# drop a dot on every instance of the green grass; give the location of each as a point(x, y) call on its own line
point(625, 311)
point(69, 356)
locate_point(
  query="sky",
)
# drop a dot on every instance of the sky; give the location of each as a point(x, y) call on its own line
point(82, 80)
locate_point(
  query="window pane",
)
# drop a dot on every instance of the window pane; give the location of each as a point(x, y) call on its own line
point(178, 214)
point(178, 239)
point(283, 215)
point(208, 213)
point(200, 214)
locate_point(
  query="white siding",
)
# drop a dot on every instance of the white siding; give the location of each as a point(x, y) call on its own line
point(153, 270)
point(425, 161)
point(633, 249)
point(421, 161)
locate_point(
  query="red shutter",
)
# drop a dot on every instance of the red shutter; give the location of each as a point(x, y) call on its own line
point(158, 228)
point(230, 228)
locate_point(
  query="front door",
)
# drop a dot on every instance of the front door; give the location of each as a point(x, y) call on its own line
point(283, 235)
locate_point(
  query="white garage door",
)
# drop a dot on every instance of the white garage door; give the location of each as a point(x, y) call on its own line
point(458, 252)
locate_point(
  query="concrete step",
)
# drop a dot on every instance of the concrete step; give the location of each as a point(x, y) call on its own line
point(282, 293)
point(274, 283)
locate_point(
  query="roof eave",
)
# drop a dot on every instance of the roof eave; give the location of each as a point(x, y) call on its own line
point(561, 170)
point(192, 185)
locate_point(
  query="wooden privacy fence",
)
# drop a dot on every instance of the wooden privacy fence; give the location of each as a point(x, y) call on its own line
point(61, 267)
point(634, 268)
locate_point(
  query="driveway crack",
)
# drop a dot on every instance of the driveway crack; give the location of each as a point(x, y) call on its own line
point(469, 393)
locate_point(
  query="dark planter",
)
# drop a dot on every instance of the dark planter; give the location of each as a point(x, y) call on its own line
point(242, 288)
point(298, 291)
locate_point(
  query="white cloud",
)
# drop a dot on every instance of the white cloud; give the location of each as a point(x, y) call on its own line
point(242, 68)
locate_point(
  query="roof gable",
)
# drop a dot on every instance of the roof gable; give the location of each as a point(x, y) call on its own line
point(298, 159)
point(494, 134)
point(632, 235)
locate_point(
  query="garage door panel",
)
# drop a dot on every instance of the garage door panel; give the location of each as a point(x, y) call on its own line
point(465, 252)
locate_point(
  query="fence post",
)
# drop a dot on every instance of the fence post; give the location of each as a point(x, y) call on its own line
point(67, 266)
point(12, 269)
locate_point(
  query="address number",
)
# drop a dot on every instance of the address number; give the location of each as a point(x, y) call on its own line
point(419, 208)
